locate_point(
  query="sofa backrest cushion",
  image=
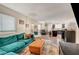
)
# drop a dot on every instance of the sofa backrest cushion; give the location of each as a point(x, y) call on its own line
point(20, 36)
point(7, 40)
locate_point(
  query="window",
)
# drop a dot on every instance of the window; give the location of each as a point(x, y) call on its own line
point(7, 23)
point(58, 26)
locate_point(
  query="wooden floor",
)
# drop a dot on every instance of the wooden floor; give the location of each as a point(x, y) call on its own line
point(50, 47)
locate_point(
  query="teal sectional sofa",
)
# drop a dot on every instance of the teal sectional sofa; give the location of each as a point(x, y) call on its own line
point(14, 44)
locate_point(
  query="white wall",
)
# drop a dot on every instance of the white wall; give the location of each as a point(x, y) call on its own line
point(31, 22)
point(77, 35)
point(19, 27)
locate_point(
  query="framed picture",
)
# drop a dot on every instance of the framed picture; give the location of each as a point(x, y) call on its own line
point(21, 22)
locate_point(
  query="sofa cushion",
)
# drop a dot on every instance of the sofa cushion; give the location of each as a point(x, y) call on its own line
point(7, 40)
point(20, 36)
point(2, 52)
point(26, 41)
point(13, 47)
point(11, 53)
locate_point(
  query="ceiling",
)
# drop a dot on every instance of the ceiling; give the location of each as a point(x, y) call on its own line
point(43, 11)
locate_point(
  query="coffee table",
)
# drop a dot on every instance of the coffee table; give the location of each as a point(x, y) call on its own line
point(37, 46)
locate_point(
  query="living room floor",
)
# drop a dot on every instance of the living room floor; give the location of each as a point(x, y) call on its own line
point(51, 47)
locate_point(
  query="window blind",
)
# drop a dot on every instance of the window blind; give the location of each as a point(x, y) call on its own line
point(7, 23)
